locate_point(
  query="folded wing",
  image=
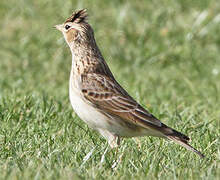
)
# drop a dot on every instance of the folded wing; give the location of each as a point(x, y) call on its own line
point(107, 95)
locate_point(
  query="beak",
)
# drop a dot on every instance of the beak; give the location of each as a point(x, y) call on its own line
point(59, 27)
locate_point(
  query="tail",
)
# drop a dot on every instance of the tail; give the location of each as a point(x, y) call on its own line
point(181, 139)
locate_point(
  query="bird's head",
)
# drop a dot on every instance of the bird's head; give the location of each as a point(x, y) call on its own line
point(76, 29)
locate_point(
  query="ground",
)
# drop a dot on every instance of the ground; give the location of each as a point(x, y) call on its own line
point(164, 53)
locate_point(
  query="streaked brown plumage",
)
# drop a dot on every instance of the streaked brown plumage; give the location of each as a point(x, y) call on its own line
point(97, 97)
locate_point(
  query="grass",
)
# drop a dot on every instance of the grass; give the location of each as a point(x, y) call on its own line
point(164, 53)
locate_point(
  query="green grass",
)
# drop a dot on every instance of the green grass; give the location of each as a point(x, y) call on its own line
point(166, 54)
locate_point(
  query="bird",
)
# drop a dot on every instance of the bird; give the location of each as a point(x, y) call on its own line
point(98, 99)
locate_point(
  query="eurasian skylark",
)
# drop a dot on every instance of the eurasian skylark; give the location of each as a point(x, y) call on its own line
point(98, 99)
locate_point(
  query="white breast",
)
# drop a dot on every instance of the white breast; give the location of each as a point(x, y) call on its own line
point(85, 111)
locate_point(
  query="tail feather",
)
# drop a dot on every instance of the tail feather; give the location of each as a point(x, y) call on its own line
point(179, 138)
point(185, 144)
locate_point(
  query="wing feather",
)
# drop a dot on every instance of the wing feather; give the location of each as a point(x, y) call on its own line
point(106, 94)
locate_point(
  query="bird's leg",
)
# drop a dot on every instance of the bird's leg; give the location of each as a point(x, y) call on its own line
point(118, 140)
point(112, 139)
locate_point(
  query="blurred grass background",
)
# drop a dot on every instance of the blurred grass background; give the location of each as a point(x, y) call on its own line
point(166, 54)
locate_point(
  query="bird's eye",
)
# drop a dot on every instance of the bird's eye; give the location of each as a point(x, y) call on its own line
point(67, 27)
